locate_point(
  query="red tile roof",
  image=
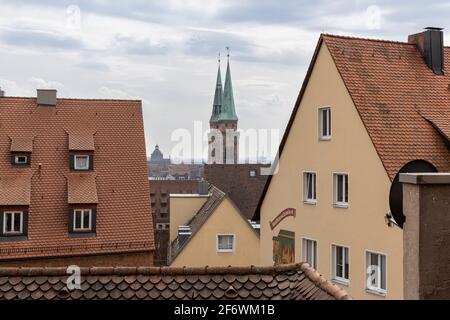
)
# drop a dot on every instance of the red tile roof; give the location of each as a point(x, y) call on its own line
point(404, 106)
point(395, 93)
point(81, 188)
point(22, 144)
point(15, 189)
point(124, 221)
point(286, 282)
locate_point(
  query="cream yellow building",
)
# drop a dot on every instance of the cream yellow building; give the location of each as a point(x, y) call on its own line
point(209, 230)
point(353, 129)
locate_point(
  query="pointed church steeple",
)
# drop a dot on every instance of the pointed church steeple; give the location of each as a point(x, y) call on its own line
point(218, 97)
point(229, 111)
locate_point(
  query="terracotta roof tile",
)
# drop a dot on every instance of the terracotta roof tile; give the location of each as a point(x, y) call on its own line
point(81, 189)
point(15, 189)
point(294, 281)
point(21, 144)
point(81, 141)
point(393, 90)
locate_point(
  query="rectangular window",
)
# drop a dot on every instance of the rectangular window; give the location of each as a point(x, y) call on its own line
point(376, 272)
point(325, 123)
point(225, 243)
point(82, 220)
point(12, 222)
point(309, 187)
point(340, 263)
point(252, 173)
point(341, 190)
point(81, 163)
point(310, 252)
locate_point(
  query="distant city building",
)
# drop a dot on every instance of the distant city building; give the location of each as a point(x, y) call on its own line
point(160, 168)
point(160, 191)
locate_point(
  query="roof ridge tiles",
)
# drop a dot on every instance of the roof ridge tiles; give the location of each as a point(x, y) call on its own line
point(52, 271)
point(366, 39)
point(74, 99)
point(324, 284)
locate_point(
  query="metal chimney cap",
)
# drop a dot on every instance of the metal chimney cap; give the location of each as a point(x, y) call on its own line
point(434, 28)
point(46, 97)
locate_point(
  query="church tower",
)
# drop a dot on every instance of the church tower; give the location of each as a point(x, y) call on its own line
point(224, 137)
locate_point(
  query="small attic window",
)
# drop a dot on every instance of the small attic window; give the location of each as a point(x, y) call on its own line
point(22, 160)
point(81, 162)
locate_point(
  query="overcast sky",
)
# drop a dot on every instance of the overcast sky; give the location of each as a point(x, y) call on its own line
point(165, 52)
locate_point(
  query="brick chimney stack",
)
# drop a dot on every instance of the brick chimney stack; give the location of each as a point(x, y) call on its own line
point(426, 235)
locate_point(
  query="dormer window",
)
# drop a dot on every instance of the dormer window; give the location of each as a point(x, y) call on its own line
point(21, 148)
point(13, 223)
point(81, 149)
point(81, 163)
point(20, 159)
point(82, 221)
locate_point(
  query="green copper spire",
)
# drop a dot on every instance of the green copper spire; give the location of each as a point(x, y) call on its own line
point(228, 109)
point(218, 95)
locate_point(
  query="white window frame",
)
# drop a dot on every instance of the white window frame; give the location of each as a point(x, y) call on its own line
point(378, 290)
point(334, 248)
point(225, 250)
point(82, 229)
point(307, 200)
point(13, 213)
point(336, 203)
point(16, 159)
point(81, 156)
point(321, 135)
point(305, 242)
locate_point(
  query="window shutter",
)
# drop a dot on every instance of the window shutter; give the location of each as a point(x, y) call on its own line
point(29, 160)
point(72, 162)
point(91, 162)
point(70, 220)
point(13, 159)
point(25, 223)
point(1, 223)
point(94, 220)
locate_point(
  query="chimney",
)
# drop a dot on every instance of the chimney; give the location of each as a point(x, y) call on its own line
point(426, 235)
point(2, 93)
point(46, 97)
point(203, 187)
point(184, 232)
point(431, 45)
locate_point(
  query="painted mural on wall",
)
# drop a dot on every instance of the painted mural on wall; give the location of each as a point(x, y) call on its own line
point(284, 247)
